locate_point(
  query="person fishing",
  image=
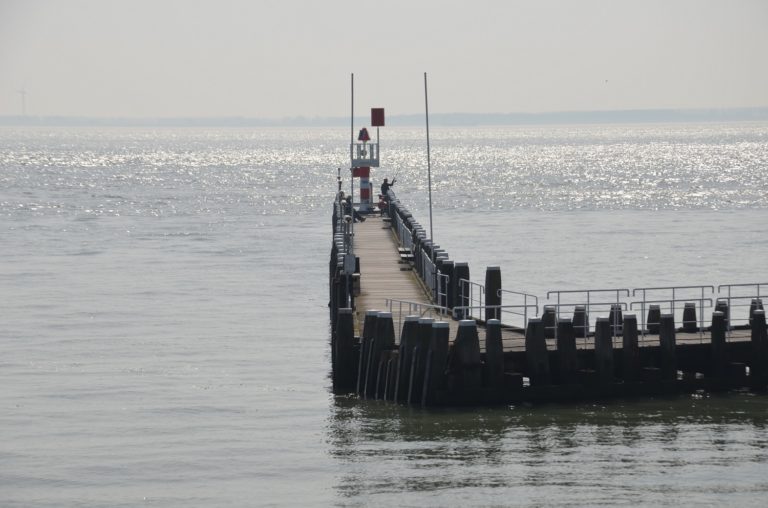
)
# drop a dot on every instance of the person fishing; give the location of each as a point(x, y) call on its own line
point(385, 188)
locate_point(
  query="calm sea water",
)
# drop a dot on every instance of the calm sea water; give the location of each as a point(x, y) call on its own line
point(165, 333)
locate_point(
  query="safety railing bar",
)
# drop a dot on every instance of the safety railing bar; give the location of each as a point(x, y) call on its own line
point(587, 291)
point(685, 300)
point(721, 286)
point(635, 290)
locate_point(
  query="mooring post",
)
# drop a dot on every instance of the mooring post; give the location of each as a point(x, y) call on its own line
point(408, 340)
point(419, 360)
point(549, 321)
point(758, 368)
point(345, 364)
point(616, 319)
point(566, 351)
point(722, 306)
point(667, 349)
point(654, 319)
point(755, 304)
point(492, 292)
point(719, 353)
point(383, 340)
point(536, 354)
point(689, 318)
point(464, 361)
point(494, 354)
point(369, 328)
point(461, 298)
point(630, 349)
point(437, 358)
point(604, 329)
point(580, 321)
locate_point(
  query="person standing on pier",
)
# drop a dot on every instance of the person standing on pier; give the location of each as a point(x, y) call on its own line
point(385, 188)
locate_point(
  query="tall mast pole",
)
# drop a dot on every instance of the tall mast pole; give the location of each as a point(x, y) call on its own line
point(351, 151)
point(429, 163)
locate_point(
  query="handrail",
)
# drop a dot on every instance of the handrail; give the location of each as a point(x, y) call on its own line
point(419, 308)
point(588, 291)
point(468, 298)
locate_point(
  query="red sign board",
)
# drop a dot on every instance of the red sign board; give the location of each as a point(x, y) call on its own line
point(361, 172)
point(377, 117)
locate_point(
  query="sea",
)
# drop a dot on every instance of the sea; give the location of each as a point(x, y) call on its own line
point(164, 328)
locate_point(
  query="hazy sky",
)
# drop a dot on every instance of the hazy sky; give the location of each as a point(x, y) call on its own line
point(289, 57)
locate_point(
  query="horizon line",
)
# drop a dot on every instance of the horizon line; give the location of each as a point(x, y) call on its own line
point(662, 115)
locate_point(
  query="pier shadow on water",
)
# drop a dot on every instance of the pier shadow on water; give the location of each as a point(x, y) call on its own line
point(703, 448)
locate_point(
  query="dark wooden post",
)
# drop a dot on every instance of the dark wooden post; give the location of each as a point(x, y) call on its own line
point(549, 321)
point(383, 340)
point(369, 329)
point(654, 319)
point(580, 321)
point(494, 354)
point(758, 368)
point(536, 353)
point(344, 359)
point(719, 353)
point(689, 318)
point(492, 292)
point(566, 351)
point(408, 340)
point(419, 360)
point(434, 377)
point(667, 349)
point(461, 271)
point(464, 360)
point(616, 319)
point(604, 328)
point(630, 350)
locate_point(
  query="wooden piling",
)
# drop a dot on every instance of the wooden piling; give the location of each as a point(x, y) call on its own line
point(630, 350)
point(689, 318)
point(536, 354)
point(494, 354)
point(667, 349)
point(580, 321)
point(549, 321)
point(383, 340)
point(492, 292)
point(616, 319)
point(758, 367)
point(566, 352)
point(408, 340)
point(722, 306)
point(461, 293)
point(437, 359)
point(718, 350)
point(344, 355)
point(464, 365)
point(654, 319)
point(604, 349)
point(419, 360)
point(369, 329)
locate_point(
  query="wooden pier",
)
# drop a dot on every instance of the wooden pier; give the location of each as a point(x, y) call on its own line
point(407, 328)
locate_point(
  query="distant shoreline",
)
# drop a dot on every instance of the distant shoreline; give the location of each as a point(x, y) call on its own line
point(437, 119)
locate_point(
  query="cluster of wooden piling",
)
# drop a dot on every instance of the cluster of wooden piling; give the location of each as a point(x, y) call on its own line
point(424, 367)
point(465, 361)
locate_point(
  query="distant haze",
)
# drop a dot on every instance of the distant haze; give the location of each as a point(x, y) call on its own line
point(287, 58)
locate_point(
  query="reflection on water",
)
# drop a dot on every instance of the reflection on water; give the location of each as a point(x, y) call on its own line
point(616, 452)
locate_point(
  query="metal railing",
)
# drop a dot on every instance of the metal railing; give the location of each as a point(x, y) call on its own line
point(471, 296)
point(402, 308)
point(735, 294)
point(525, 306)
point(592, 308)
point(670, 297)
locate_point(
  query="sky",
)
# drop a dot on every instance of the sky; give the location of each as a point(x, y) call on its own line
point(287, 58)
